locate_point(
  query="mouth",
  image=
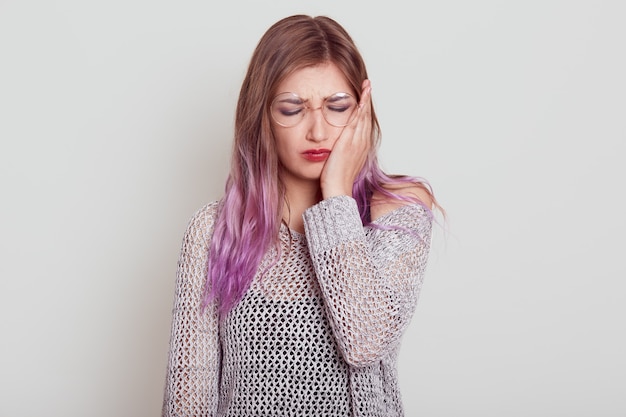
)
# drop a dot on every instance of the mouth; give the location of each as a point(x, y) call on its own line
point(316, 155)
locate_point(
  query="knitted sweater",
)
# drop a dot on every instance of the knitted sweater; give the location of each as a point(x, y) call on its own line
point(316, 335)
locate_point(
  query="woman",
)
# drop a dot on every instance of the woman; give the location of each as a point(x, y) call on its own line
point(294, 289)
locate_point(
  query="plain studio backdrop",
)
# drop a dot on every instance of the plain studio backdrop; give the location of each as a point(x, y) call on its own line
point(116, 120)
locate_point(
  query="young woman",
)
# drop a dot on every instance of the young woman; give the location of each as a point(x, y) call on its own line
point(294, 289)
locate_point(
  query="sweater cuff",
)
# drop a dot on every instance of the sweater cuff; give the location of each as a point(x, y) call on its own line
point(332, 222)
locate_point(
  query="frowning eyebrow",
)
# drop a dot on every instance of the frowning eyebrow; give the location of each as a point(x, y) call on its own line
point(292, 100)
point(336, 97)
point(296, 99)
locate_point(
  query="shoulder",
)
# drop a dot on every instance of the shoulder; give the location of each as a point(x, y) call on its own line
point(406, 194)
point(206, 214)
point(200, 226)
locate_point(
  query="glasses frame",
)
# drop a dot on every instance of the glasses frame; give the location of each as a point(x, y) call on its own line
point(308, 108)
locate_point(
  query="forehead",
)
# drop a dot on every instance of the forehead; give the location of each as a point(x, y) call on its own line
point(316, 82)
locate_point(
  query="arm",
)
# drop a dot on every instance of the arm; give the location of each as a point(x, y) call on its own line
point(193, 368)
point(370, 277)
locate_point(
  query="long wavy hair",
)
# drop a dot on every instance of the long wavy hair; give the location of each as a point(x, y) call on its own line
point(250, 213)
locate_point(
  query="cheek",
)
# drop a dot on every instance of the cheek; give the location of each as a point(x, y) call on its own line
point(334, 137)
point(283, 142)
point(288, 138)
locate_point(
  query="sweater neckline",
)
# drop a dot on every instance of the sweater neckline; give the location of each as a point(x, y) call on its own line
point(286, 229)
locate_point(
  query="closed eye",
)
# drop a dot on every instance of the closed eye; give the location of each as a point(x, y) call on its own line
point(290, 111)
point(340, 103)
point(338, 109)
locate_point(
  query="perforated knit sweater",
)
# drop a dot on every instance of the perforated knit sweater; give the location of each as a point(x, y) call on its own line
point(317, 335)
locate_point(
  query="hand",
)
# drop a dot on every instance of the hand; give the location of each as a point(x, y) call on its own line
point(350, 150)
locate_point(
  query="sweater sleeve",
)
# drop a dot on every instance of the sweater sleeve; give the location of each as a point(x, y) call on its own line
point(191, 387)
point(370, 276)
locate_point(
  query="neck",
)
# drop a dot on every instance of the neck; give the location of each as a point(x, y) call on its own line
point(299, 196)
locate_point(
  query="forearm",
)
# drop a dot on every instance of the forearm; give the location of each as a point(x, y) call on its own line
point(370, 278)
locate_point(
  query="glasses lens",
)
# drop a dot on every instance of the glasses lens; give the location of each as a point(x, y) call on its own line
point(339, 109)
point(288, 109)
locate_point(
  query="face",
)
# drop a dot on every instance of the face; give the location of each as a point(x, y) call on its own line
point(303, 148)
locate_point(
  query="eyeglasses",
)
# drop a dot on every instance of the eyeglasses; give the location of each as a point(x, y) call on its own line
point(288, 109)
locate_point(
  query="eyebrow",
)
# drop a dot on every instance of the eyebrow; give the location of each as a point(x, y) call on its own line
point(293, 100)
point(334, 97)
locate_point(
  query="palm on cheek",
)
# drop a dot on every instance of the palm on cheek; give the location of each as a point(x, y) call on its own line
point(350, 151)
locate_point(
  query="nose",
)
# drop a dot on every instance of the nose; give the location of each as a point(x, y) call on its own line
point(318, 126)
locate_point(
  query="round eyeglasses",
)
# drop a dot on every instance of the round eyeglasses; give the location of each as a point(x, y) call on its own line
point(288, 109)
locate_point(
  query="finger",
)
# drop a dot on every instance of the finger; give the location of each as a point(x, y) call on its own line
point(361, 123)
point(366, 89)
point(365, 111)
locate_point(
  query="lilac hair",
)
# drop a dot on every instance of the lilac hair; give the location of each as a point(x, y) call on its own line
point(250, 213)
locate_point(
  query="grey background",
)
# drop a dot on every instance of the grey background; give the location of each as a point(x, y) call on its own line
point(115, 126)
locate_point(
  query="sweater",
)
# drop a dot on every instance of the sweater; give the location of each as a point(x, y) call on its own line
point(319, 329)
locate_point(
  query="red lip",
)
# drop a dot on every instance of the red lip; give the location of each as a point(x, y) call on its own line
point(316, 155)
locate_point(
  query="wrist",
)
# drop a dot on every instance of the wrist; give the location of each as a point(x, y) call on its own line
point(329, 192)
